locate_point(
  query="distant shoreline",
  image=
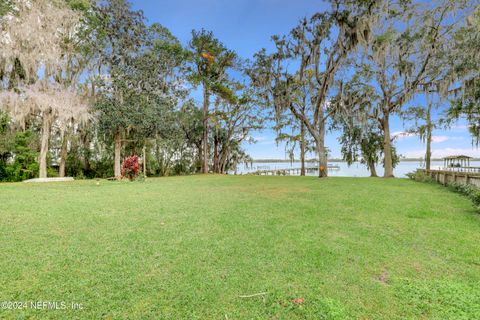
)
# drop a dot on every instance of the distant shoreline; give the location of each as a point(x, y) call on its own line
point(340, 160)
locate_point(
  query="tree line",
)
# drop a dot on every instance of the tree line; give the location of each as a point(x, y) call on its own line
point(97, 83)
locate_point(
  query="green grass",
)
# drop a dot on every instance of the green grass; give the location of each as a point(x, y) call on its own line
point(189, 247)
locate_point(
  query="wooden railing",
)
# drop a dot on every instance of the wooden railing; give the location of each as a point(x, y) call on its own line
point(463, 169)
point(447, 175)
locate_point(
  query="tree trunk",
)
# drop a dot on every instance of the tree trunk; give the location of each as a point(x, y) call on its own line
point(222, 159)
point(157, 155)
point(322, 158)
point(371, 167)
point(199, 165)
point(216, 163)
point(44, 146)
point(63, 155)
point(205, 128)
point(387, 147)
point(428, 153)
point(302, 149)
point(86, 152)
point(144, 161)
point(117, 159)
point(322, 152)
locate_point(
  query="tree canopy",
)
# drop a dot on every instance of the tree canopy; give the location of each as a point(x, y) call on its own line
point(98, 83)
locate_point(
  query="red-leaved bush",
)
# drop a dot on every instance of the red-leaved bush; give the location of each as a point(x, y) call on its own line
point(130, 167)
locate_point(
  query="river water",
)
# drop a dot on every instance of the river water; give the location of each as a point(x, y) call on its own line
point(355, 170)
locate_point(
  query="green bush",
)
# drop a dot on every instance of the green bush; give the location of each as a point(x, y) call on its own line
point(80, 175)
point(20, 171)
point(24, 165)
point(141, 177)
point(52, 172)
point(420, 176)
point(472, 192)
point(96, 168)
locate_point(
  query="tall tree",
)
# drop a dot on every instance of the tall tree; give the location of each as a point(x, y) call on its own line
point(31, 66)
point(403, 50)
point(190, 120)
point(291, 130)
point(313, 53)
point(293, 133)
point(361, 137)
point(22, 55)
point(210, 63)
point(424, 122)
point(120, 34)
point(147, 90)
point(234, 120)
point(464, 60)
point(53, 103)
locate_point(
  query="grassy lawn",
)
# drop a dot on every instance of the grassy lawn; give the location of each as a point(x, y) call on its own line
point(190, 247)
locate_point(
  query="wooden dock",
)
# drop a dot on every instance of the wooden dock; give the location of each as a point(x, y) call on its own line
point(290, 171)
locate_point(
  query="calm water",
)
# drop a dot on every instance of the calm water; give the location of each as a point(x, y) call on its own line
point(355, 170)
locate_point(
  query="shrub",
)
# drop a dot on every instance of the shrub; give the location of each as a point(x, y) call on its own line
point(472, 192)
point(80, 175)
point(420, 176)
point(141, 177)
point(24, 165)
point(131, 167)
point(52, 172)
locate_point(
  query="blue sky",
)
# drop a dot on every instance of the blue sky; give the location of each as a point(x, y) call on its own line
point(246, 26)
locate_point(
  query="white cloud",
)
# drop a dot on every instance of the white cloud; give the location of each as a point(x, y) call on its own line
point(439, 139)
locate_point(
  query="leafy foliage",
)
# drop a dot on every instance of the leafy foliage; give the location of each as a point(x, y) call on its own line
point(25, 165)
point(6, 6)
point(419, 176)
point(6, 137)
point(468, 107)
point(317, 47)
point(97, 82)
point(468, 190)
point(210, 62)
point(405, 57)
point(131, 167)
point(18, 155)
